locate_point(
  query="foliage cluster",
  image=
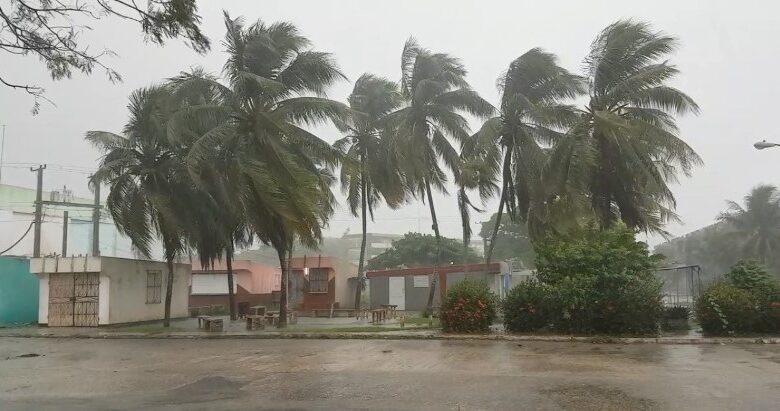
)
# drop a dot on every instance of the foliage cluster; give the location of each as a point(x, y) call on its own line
point(468, 307)
point(746, 301)
point(594, 281)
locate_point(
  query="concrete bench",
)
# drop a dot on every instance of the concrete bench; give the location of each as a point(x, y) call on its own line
point(209, 323)
point(255, 322)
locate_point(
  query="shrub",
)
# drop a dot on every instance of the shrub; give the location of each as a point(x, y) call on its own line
point(765, 290)
point(724, 309)
point(529, 307)
point(468, 307)
point(592, 281)
point(677, 312)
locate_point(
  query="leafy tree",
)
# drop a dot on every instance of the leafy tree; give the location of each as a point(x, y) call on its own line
point(512, 241)
point(532, 115)
point(416, 249)
point(280, 171)
point(46, 29)
point(625, 149)
point(435, 88)
point(371, 171)
point(150, 194)
point(757, 224)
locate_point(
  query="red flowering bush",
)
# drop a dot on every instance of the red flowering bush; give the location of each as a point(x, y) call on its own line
point(468, 307)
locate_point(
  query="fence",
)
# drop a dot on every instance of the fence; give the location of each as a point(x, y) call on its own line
point(681, 284)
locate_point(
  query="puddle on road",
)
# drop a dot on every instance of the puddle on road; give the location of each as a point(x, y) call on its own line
point(203, 390)
point(593, 397)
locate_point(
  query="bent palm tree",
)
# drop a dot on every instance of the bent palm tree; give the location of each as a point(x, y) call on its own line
point(276, 165)
point(758, 223)
point(436, 91)
point(370, 171)
point(532, 116)
point(625, 148)
point(150, 196)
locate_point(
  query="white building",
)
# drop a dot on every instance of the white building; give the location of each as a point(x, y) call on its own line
point(92, 291)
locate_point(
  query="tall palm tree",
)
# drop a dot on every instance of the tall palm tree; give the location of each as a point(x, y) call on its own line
point(532, 116)
point(275, 88)
point(437, 94)
point(625, 148)
point(758, 223)
point(150, 195)
point(370, 172)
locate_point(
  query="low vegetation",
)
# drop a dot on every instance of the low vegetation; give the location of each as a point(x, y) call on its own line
point(468, 307)
point(592, 282)
point(746, 301)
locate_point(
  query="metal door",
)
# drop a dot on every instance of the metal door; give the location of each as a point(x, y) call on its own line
point(397, 292)
point(73, 299)
point(295, 292)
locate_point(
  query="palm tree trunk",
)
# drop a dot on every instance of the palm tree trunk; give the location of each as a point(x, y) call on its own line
point(168, 293)
point(435, 226)
point(231, 294)
point(492, 244)
point(363, 206)
point(283, 292)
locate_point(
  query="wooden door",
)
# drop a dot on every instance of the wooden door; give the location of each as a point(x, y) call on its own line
point(61, 300)
point(397, 292)
point(73, 299)
point(85, 302)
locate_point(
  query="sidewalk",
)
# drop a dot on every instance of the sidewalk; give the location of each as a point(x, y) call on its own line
point(346, 328)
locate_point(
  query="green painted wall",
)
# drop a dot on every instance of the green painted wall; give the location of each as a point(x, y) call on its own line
point(18, 292)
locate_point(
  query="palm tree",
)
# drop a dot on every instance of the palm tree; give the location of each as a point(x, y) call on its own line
point(277, 168)
point(437, 94)
point(150, 195)
point(370, 172)
point(532, 116)
point(625, 148)
point(758, 223)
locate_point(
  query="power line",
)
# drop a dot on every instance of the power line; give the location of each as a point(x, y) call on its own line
point(19, 240)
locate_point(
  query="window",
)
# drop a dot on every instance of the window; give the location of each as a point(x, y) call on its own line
point(318, 280)
point(153, 287)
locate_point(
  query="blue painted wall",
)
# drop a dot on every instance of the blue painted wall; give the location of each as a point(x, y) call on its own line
point(18, 292)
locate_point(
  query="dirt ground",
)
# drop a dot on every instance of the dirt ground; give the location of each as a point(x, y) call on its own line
point(92, 374)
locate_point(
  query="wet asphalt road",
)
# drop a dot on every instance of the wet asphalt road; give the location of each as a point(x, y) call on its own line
point(355, 374)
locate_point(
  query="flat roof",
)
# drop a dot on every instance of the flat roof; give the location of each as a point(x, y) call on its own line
point(442, 269)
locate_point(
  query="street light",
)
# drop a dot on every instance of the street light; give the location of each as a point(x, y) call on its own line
point(765, 144)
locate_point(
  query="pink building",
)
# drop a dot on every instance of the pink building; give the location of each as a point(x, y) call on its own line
point(253, 284)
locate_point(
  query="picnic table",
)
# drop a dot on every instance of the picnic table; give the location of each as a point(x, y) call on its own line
point(255, 322)
point(257, 310)
point(391, 309)
point(272, 317)
point(210, 323)
point(378, 315)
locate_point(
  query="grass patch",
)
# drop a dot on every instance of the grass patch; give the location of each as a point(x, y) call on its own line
point(422, 321)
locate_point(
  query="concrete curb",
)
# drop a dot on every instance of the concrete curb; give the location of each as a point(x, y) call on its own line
point(409, 336)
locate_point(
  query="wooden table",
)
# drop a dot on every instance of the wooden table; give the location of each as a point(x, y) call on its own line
point(272, 317)
point(210, 323)
point(255, 322)
point(379, 315)
point(257, 310)
point(391, 309)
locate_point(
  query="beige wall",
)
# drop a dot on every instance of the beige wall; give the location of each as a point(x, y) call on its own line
point(127, 290)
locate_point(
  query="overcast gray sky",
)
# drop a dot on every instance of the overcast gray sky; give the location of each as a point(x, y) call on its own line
point(728, 56)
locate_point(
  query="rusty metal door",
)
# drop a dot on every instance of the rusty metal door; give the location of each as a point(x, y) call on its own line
point(73, 299)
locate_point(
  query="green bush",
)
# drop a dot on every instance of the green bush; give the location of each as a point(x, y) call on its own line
point(468, 307)
point(593, 281)
point(765, 290)
point(677, 312)
point(528, 307)
point(724, 309)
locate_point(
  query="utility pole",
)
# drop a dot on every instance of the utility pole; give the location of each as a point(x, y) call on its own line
point(65, 233)
point(96, 222)
point(2, 151)
point(38, 210)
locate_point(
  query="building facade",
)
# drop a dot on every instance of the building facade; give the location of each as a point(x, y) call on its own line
point(253, 284)
point(18, 291)
point(93, 291)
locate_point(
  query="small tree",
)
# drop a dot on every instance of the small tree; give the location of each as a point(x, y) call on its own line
point(46, 29)
point(416, 249)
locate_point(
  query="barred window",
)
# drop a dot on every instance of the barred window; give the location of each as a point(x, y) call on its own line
point(318, 280)
point(153, 287)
